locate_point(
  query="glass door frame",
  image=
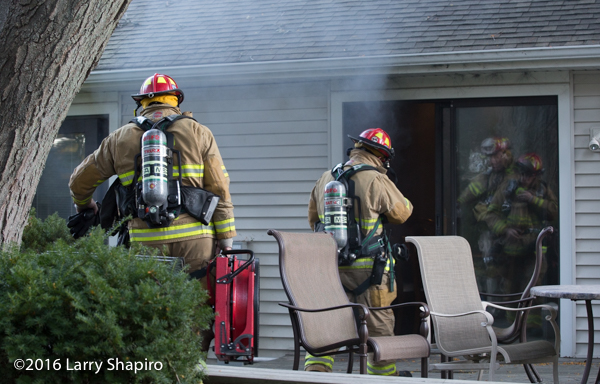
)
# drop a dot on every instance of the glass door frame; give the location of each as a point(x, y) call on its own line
point(462, 87)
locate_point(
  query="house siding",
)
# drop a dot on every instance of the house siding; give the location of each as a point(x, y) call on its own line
point(276, 140)
point(586, 114)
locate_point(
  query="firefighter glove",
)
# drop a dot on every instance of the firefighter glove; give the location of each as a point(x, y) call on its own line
point(80, 223)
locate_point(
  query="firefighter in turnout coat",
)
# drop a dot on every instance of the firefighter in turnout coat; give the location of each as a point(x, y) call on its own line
point(479, 194)
point(517, 214)
point(202, 166)
point(379, 198)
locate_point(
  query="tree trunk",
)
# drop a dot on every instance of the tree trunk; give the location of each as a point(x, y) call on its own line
point(47, 50)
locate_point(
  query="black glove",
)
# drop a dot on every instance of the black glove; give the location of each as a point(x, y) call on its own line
point(81, 222)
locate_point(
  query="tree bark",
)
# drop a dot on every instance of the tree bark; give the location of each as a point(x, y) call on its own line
point(47, 50)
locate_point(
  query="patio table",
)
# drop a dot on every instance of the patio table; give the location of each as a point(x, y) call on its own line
point(576, 292)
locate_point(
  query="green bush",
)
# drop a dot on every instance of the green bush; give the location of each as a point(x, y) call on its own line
point(83, 301)
point(39, 234)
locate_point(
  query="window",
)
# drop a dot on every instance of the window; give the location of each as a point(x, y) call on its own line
point(77, 138)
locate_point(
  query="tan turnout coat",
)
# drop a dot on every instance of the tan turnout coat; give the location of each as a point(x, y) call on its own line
point(202, 166)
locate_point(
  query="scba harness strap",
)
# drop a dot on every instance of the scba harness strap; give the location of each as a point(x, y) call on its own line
point(159, 216)
point(197, 202)
point(377, 247)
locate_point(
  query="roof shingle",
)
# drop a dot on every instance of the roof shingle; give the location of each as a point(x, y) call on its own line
point(193, 32)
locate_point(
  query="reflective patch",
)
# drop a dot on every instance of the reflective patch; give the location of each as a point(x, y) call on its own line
point(157, 115)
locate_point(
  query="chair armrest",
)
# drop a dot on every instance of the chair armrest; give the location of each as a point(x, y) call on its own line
point(489, 318)
point(423, 306)
point(551, 318)
point(365, 310)
point(552, 311)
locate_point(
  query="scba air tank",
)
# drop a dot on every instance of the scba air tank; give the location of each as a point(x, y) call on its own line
point(336, 217)
point(155, 171)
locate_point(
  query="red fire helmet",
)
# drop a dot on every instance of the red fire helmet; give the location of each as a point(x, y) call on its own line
point(158, 84)
point(378, 139)
point(530, 163)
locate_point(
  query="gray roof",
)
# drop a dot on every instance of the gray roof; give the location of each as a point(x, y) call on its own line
point(201, 32)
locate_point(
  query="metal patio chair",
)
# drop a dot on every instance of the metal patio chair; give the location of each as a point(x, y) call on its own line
point(323, 319)
point(462, 327)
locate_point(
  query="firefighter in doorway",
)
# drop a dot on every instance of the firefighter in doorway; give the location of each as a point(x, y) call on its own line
point(480, 192)
point(379, 201)
point(201, 167)
point(517, 214)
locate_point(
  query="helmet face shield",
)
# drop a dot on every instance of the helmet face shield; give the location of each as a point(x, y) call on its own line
point(493, 145)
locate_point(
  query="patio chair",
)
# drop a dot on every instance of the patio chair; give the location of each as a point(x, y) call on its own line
point(323, 319)
point(517, 329)
point(462, 327)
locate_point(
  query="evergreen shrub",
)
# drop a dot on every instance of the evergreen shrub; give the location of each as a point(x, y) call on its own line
point(66, 303)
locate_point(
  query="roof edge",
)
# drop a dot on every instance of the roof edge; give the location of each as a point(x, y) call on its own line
point(555, 58)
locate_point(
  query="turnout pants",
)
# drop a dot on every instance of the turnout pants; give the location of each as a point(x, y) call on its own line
point(380, 323)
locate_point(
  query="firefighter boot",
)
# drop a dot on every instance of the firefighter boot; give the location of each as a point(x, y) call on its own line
point(318, 364)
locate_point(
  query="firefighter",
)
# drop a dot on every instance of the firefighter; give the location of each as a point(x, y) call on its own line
point(380, 200)
point(483, 187)
point(517, 215)
point(480, 192)
point(202, 167)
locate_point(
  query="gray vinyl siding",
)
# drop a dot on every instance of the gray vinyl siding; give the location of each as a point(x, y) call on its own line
point(274, 142)
point(586, 114)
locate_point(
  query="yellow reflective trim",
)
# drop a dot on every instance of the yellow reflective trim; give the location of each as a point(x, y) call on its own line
point(126, 178)
point(82, 202)
point(224, 171)
point(228, 229)
point(176, 236)
point(99, 182)
point(368, 228)
point(327, 361)
point(475, 189)
point(195, 170)
point(365, 263)
point(166, 229)
point(189, 166)
point(172, 232)
point(385, 370)
point(176, 174)
point(309, 356)
point(127, 174)
point(202, 231)
point(225, 225)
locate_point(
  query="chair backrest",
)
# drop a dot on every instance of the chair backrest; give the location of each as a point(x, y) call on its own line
point(451, 288)
point(518, 327)
point(539, 254)
point(308, 264)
